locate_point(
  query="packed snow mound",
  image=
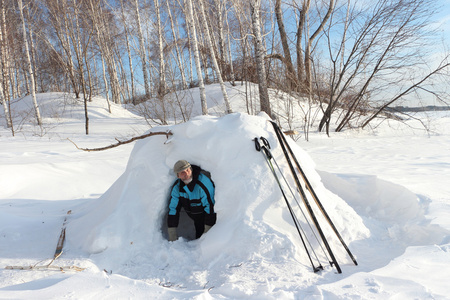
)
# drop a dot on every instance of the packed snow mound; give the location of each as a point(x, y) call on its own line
point(125, 227)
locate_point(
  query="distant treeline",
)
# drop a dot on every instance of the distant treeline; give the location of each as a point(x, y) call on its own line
point(417, 109)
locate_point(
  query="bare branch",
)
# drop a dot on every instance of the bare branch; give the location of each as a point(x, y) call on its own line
point(406, 92)
point(119, 143)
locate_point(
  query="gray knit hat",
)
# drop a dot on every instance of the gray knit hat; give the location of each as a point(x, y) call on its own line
point(180, 166)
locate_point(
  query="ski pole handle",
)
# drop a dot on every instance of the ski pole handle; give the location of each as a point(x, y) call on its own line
point(257, 145)
point(267, 152)
point(265, 142)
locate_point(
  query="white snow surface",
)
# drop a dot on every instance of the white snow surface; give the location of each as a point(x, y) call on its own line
point(386, 190)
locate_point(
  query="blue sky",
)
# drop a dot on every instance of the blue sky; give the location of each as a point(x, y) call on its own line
point(443, 17)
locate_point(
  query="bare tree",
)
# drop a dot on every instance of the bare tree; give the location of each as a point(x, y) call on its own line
point(303, 12)
point(218, 16)
point(308, 59)
point(30, 66)
point(58, 21)
point(127, 41)
point(230, 53)
point(178, 53)
point(101, 24)
point(255, 6)
point(214, 59)
point(349, 58)
point(5, 59)
point(194, 44)
point(80, 35)
point(287, 60)
point(142, 50)
point(162, 67)
point(443, 66)
point(191, 68)
point(382, 60)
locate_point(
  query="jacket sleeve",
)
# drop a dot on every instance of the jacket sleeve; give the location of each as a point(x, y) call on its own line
point(207, 207)
point(174, 199)
point(173, 217)
point(207, 199)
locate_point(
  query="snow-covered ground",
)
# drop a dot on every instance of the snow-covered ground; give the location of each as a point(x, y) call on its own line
point(386, 189)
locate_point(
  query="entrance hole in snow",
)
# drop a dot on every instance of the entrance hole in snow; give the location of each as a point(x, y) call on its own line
point(185, 228)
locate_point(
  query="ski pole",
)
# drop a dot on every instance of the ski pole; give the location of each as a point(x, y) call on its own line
point(268, 156)
point(306, 202)
point(311, 190)
point(266, 143)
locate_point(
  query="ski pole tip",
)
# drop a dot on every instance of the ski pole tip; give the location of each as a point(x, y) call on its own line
point(318, 269)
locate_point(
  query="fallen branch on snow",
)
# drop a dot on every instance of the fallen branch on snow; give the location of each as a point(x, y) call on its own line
point(57, 254)
point(46, 268)
point(124, 142)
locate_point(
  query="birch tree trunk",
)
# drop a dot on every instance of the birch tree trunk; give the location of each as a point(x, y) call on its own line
point(107, 49)
point(65, 41)
point(162, 69)
point(184, 67)
point(142, 50)
point(230, 55)
point(221, 43)
point(101, 45)
point(130, 59)
point(30, 66)
point(193, 32)
point(122, 83)
point(213, 58)
point(255, 7)
point(105, 81)
point(15, 82)
point(191, 68)
point(80, 52)
point(177, 50)
point(5, 105)
point(200, 42)
point(33, 53)
point(4, 53)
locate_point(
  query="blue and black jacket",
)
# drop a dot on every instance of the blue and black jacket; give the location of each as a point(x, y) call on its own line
point(197, 198)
